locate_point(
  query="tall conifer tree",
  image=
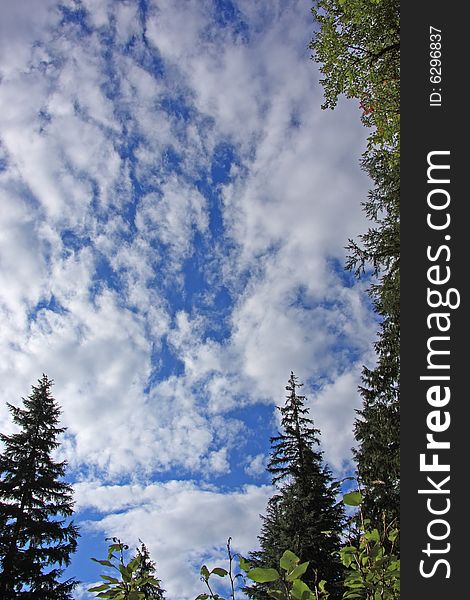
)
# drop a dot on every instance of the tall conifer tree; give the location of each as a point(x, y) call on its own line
point(36, 536)
point(305, 507)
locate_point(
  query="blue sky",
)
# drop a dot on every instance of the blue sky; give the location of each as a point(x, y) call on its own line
point(174, 211)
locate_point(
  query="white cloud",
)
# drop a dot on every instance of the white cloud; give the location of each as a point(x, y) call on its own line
point(84, 149)
point(256, 465)
point(171, 218)
point(18, 31)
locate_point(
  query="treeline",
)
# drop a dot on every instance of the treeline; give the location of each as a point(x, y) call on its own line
point(357, 46)
point(311, 546)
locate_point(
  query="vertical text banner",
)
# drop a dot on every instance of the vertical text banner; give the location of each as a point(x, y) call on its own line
point(435, 232)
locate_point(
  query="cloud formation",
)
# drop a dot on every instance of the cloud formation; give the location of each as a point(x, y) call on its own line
point(175, 207)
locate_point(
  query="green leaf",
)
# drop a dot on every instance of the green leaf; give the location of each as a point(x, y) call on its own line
point(109, 579)
point(244, 564)
point(288, 561)
point(126, 575)
point(299, 588)
point(219, 571)
point(99, 588)
point(298, 571)
point(204, 572)
point(136, 596)
point(352, 498)
point(202, 597)
point(372, 536)
point(105, 563)
point(392, 536)
point(134, 564)
point(260, 575)
point(114, 548)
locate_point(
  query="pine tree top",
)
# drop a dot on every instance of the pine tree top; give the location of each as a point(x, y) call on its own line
point(35, 502)
point(293, 451)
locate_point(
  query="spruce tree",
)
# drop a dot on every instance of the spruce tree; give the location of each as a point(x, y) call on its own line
point(377, 429)
point(304, 508)
point(36, 535)
point(152, 589)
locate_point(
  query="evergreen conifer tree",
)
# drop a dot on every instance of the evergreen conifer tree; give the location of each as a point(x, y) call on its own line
point(145, 570)
point(305, 507)
point(36, 537)
point(377, 429)
point(357, 46)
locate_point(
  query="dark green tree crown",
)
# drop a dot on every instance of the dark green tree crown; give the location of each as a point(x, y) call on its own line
point(36, 536)
point(293, 450)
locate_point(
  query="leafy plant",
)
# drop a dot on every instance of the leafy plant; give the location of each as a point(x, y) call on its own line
point(135, 580)
point(373, 571)
point(287, 582)
point(205, 576)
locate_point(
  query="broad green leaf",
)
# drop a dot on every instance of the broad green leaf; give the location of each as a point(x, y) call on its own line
point(202, 597)
point(220, 572)
point(352, 498)
point(298, 571)
point(244, 564)
point(392, 536)
point(260, 575)
point(288, 561)
point(372, 536)
point(136, 596)
point(204, 572)
point(299, 588)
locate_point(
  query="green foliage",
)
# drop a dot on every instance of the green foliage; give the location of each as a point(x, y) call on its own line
point(206, 574)
point(287, 580)
point(352, 499)
point(36, 536)
point(373, 569)
point(358, 48)
point(305, 505)
point(357, 45)
point(133, 581)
